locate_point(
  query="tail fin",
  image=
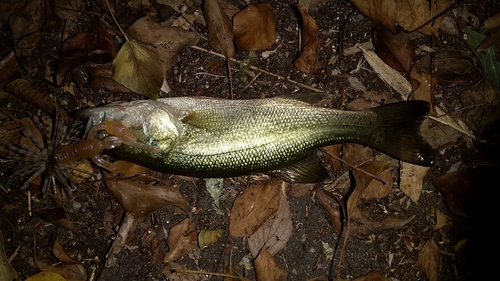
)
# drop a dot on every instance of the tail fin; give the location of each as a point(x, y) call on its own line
point(400, 134)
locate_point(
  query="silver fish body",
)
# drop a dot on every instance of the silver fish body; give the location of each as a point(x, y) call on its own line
point(207, 137)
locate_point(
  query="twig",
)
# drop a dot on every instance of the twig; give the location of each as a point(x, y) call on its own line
point(251, 81)
point(261, 70)
point(355, 167)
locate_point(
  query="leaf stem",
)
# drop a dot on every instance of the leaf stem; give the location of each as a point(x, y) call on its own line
point(116, 22)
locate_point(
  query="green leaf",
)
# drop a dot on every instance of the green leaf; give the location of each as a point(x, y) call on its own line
point(487, 58)
point(139, 69)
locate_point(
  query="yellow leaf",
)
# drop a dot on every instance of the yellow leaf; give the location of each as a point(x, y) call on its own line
point(207, 237)
point(138, 68)
point(429, 260)
point(46, 276)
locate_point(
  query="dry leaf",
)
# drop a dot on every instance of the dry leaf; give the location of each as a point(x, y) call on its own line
point(95, 45)
point(307, 61)
point(429, 260)
point(220, 28)
point(181, 240)
point(141, 200)
point(266, 267)
point(367, 226)
point(28, 19)
point(72, 272)
point(377, 189)
point(46, 276)
point(412, 179)
point(58, 250)
point(274, 233)
point(372, 276)
point(332, 206)
point(395, 50)
point(335, 150)
point(460, 191)
point(138, 68)
point(254, 27)
point(492, 25)
point(451, 67)
point(441, 219)
point(423, 83)
point(208, 237)
point(356, 154)
point(7, 272)
point(388, 74)
point(408, 14)
point(253, 206)
point(454, 123)
point(57, 216)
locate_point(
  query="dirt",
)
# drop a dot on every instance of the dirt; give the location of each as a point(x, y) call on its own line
point(98, 215)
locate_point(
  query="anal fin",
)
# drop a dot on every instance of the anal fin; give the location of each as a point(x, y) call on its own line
point(307, 170)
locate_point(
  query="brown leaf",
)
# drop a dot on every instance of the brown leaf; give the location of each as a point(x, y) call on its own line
point(335, 150)
point(422, 83)
point(394, 49)
point(141, 200)
point(460, 191)
point(181, 240)
point(220, 28)
point(307, 61)
point(28, 19)
point(274, 233)
point(57, 216)
point(266, 267)
point(429, 260)
point(95, 45)
point(372, 276)
point(451, 67)
point(254, 27)
point(332, 206)
point(25, 90)
point(367, 226)
point(253, 206)
point(412, 179)
point(492, 26)
point(58, 250)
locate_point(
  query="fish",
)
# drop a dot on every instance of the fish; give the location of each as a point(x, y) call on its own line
point(214, 138)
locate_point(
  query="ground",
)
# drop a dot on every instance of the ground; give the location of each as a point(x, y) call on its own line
point(98, 215)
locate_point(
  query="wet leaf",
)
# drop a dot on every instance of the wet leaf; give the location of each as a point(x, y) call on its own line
point(372, 276)
point(220, 28)
point(167, 40)
point(7, 272)
point(274, 233)
point(307, 61)
point(138, 68)
point(429, 260)
point(395, 50)
point(208, 237)
point(412, 179)
point(254, 28)
point(58, 217)
point(95, 45)
point(451, 67)
point(181, 240)
point(266, 267)
point(58, 250)
point(141, 200)
point(487, 57)
point(409, 14)
point(253, 206)
point(388, 74)
point(46, 276)
point(460, 191)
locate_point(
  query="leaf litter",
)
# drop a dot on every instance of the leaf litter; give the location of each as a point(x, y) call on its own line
point(355, 190)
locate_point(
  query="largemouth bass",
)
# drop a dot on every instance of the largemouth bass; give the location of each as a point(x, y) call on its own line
point(208, 137)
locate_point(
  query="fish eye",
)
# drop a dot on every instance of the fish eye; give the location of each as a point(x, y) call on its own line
point(102, 134)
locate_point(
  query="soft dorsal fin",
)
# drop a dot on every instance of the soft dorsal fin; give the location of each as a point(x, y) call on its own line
point(307, 170)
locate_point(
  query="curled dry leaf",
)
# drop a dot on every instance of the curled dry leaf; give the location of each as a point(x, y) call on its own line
point(208, 237)
point(451, 67)
point(266, 267)
point(253, 206)
point(95, 45)
point(58, 217)
point(181, 240)
point(220, 28)
point(307, 61)
point(141, 200)
point(429, 260)
point(58, 250)
point(372, 276)
point(412, 179)
point(254, 27)
point(332, 206)
point(274, 233)
point(367, 226)
point(395, 50)
point(138, 67)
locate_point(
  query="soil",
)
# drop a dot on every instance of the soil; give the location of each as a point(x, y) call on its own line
point(98, 215)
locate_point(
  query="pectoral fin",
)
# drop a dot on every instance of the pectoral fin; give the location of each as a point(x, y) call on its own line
point(307, 170)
